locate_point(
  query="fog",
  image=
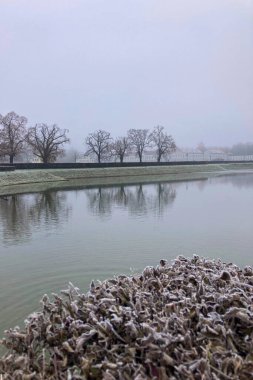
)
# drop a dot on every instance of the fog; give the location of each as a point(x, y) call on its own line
point(115, 65)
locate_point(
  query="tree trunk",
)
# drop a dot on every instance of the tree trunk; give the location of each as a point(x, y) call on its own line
point(121, 159)
point(11, 158)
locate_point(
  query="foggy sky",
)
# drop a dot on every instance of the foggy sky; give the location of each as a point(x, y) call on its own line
point(120, 64)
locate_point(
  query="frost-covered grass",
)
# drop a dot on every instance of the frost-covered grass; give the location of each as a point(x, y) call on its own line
point(189, 320)
point(27, 180)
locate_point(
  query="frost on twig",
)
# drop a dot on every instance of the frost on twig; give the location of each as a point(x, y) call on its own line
point(189, 320)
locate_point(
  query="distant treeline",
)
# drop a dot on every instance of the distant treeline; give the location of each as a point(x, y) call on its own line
point(46, 143)
point(242, 149)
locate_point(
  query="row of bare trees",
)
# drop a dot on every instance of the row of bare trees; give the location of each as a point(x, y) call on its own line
point(45, 141)
point(101, 144)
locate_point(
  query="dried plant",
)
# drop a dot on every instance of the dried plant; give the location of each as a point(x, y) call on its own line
point(189, 320)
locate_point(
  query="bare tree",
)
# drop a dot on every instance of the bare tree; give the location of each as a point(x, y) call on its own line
point(163, 142)
point(99, 143)
point(201, 147)
point(12, 135)
point(139, 139)
point(120, 147)
point(47, 141)
point(70, 155)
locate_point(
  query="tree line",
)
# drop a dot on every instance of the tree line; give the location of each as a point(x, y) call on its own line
point(46, 141)
point(43, 140)
point(242, 149)
point(101, 144)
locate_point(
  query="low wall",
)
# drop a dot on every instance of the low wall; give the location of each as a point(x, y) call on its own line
point(7, 168)
point(79, 165)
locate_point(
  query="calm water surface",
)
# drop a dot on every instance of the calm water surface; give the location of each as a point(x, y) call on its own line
point(51, 238)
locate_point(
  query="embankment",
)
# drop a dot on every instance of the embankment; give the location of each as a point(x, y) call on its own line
point(23, 181)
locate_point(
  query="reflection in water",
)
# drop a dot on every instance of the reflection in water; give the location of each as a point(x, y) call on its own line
point(138, 200)
point(14, 219)
point(49, 206)
point(50, 238)
point(21, 214)
point(100, 200)
point(239, 181)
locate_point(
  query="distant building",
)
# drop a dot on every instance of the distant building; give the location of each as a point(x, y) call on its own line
point(185, 154)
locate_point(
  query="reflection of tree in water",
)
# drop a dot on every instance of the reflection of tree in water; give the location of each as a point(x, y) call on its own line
point(166, 195)
point(140, 199)
point(121, 196)
point(99, 200)
point(50, 208)
point(20, 214)
point(13, 218)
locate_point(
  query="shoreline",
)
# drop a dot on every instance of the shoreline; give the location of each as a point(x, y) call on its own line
point(28, 181)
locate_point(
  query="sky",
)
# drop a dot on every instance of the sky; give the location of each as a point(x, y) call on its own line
point(119, 64)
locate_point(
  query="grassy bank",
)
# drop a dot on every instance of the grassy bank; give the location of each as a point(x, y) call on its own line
point(22, 181)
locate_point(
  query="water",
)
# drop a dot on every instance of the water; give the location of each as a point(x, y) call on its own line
point(51, 238)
